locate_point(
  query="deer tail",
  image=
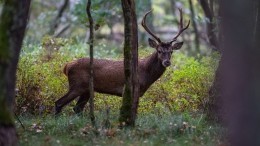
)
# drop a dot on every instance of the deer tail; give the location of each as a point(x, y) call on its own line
point(65, 70)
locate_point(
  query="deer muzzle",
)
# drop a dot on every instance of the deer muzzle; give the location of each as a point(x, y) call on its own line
point(166, 63)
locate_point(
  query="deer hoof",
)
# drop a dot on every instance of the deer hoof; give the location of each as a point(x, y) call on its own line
point(77, 110)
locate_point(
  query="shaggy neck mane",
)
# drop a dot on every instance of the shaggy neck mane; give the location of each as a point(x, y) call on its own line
point(153, 68)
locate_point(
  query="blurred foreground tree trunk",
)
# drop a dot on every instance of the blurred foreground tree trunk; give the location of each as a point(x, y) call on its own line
point(240, 46)
point(91, 83)
point(129, 106)
point(13, 22)
point(14, 19)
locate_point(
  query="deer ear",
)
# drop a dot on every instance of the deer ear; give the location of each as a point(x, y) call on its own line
point(177, 46)
point(152, 43)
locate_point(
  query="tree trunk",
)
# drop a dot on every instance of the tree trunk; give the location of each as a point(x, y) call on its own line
point(130, 94)
point(14, 21)
point(56, 21)
point(211, 25)
point(91, 83)
point(241, 73)
point(213, 107)
point(12, 28)
point(134, 65)
point(195, 28)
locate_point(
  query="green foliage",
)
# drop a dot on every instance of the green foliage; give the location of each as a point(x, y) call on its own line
point(190, 83)
point(183, 87)
point(39, 82)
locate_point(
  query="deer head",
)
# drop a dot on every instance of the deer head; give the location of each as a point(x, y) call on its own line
point(165, 49)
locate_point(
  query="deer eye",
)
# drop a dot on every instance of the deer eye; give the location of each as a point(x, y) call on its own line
point(159, 52)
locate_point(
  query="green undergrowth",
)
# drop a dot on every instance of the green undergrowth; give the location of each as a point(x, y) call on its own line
point(40, 80)
point(169, 129)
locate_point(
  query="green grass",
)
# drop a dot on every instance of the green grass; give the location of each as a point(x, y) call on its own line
point(70, 130)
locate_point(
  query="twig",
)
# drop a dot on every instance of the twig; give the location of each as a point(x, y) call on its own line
point(19, 121)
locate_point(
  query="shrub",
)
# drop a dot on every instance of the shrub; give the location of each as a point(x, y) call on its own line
point(39, 82)
point(183, 87)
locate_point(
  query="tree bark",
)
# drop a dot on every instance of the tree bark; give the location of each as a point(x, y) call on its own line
point(213, 108)
point(91, 72)
point(130, 95)
point(134, 65)
point(13, 22)
point(241, 73)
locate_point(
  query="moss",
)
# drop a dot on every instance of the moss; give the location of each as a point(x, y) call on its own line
point(5, 116)
point(125, 110)
point(7, 12)
point(6, 22)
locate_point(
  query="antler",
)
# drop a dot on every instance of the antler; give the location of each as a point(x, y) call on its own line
point(147, 29)
point(181, 29)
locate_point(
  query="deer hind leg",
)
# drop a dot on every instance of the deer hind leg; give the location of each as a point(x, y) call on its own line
point(83, 99)
point(67, 98)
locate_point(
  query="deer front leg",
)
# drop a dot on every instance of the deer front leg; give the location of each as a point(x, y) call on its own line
point(83, 99)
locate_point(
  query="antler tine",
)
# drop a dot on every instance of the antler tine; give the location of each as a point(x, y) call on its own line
point(181, 29)
point(147, 29)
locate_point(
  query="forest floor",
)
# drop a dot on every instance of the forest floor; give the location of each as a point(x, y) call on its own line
point(72, 130)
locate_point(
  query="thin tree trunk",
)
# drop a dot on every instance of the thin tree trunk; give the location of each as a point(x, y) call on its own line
point(91, 72)
point(195, 28)
point(134, 65)
point(13, 22)
point(56, 20)
point(128, 110)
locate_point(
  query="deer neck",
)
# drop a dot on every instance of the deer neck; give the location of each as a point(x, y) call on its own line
point(153, 68)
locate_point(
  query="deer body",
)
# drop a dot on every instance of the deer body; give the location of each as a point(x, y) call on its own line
point(109, 78)
point(109, 75)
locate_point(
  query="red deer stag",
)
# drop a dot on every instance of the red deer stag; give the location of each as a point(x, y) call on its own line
point(109, 75)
